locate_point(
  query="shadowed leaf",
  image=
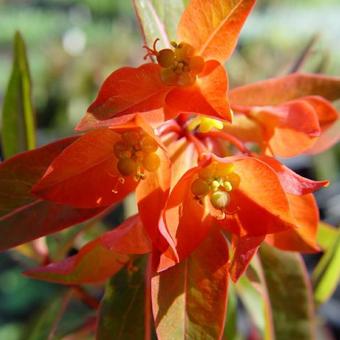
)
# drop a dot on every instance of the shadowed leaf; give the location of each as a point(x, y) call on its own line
point(100, 258)
point(289, 293)
point(121, 313)
point(24, 217)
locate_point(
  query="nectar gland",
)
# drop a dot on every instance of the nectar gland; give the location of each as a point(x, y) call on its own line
point(216, 181)
point(205, 124)
point(136, 152)
point(179, 64)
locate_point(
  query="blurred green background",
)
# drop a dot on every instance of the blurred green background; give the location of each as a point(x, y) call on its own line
point(73, 45)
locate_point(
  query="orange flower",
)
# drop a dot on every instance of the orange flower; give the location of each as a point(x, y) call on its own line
point(285, 116)
point(234, 194)
point(188, 75)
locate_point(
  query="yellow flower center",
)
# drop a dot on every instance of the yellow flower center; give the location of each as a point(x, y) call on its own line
point(216, 181)
point(204, 124)
point(180, 66)
point(136, 152)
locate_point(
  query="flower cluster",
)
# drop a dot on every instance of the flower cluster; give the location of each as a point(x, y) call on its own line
point(201, 158)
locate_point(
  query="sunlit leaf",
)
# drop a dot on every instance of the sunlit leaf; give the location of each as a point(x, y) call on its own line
point(18, 119)
point(327, 235)
point(289, 293)
point(189, 300)
point(326, 275)
point(282, 89)
point(151, 23)
point(121, 313)
point(213, 27)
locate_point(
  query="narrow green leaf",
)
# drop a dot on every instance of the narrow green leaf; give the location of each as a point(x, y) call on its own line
point(159, 19)
point(252, 291)
point(326, 275)
point(169, 13)
point(254, 302)
point(121, 314)
point(46, 321)
point(189, 299)
point(230, 327)
point(327, 235)
point(289, 293)
point(18, 120)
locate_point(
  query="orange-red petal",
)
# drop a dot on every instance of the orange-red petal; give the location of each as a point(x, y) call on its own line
point(208, 96)
point(129, 90)
point(212, 27)
point(291, 182)
point(243, 249)
point(303, 239)
point(282, 89)
point(84, 175)
point(259, 205)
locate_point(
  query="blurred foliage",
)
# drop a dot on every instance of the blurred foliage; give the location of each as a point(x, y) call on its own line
point(72, 46)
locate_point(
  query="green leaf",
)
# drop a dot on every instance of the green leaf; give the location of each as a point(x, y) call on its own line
point(327, 235)
point(289, 293)
point(18, 119)
point(327, 273)
point(230, 327)
point(189, 299)
point(158, 19)
point(47, 319)
point(122, 312)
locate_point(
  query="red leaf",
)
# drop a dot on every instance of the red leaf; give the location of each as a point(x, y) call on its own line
point(84, 175)
point(23, 217)
point(298, 115)
point(291, 182)
point(212, 27)
point(329, 137)
point(100, 258)
point(303, 238)
point(129, 90)
point(208, 96)
point(152, 194)
point(244, 248)
point(88, 122)
point(189, 300)
point(187, 221)
point(279, 90)
point(259, 197)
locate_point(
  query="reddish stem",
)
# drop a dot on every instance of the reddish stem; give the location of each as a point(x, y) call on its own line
point(85, 297)
point(226, 136)
point(197, 143)
point(173, 127)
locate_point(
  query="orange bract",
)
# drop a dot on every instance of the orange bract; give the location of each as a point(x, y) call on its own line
point(101, 167)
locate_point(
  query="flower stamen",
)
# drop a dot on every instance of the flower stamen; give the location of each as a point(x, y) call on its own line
point(136, 152)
